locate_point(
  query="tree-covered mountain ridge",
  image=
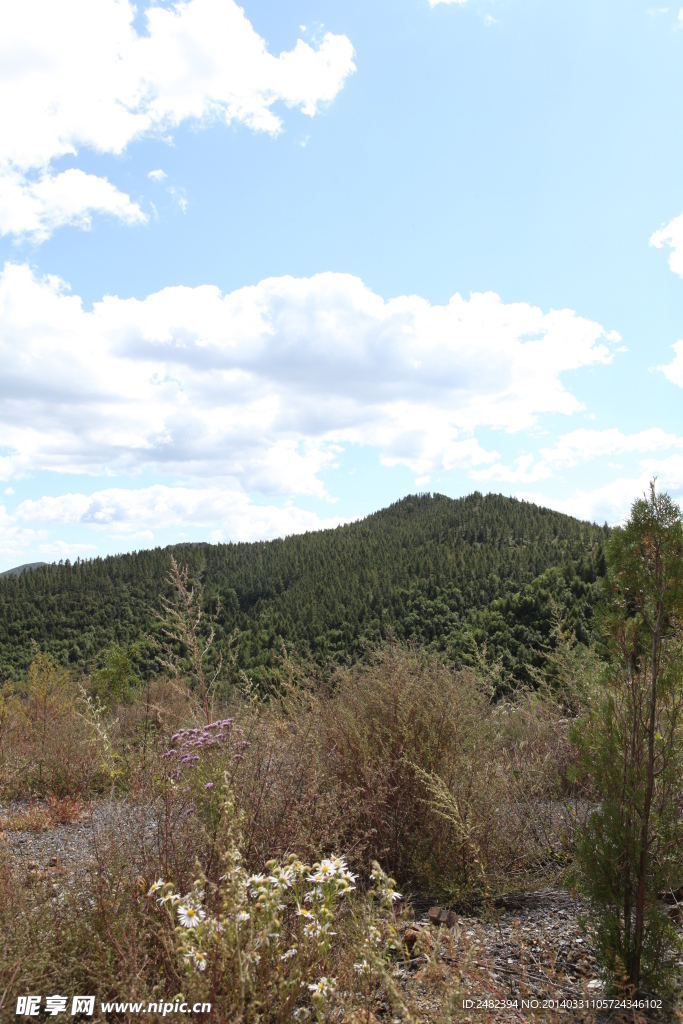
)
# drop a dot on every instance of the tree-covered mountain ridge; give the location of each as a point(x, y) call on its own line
point(447, 573)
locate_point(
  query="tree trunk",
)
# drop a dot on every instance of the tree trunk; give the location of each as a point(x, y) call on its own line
point(645, 826)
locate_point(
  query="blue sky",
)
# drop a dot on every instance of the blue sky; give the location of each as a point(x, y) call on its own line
point(384, 247)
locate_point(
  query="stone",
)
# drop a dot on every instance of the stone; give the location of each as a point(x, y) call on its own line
point(438, 916)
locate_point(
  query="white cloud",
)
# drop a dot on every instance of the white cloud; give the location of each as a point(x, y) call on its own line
point(261, 386)
point(575, 448)
point(76, 74)
point(125, 512)
point(611, 502)
point(524, 469)
point(14, 539)
point(433, 3)
point(157, 175)
point(672, 235)
point(582, 445)
point(674, 370)
point(37, 207)
point(64, 549)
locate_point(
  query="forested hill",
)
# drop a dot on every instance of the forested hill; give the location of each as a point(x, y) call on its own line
point(439, 571)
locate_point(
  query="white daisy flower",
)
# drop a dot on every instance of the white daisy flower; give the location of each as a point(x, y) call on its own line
point(155, 886)
point(199, 959)
point(323, 988)
point(190, 916)
point(170, 897)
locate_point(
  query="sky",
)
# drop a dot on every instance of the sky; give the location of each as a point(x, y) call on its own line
point(266, 269)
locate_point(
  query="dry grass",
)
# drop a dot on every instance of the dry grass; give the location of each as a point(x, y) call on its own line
point(38, 817)
point(343, 770)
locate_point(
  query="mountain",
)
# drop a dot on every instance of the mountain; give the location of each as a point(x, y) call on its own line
point(429, 569)
point(18, 569)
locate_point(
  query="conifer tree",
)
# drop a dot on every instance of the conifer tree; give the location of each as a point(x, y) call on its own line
point(632, 742)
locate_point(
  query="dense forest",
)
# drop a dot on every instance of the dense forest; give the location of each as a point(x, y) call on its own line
point(478, 573)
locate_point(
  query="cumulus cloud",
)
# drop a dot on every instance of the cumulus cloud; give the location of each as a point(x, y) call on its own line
point(14, 538)
point(127, 512)
point(674, 369)
point(262, 385)
point(611, 502)
point(52, 200)
point(578, 447)
point(77, 74)
point(157, 175)
point(671, 235)
point(581, 445)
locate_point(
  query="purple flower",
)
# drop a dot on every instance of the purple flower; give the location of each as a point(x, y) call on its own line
point(208, 785)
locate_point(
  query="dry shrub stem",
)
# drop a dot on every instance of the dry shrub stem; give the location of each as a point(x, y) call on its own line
point(401, 762)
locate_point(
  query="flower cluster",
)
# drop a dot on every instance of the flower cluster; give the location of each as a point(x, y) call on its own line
point(188, 745)
point(191, 916)
point(333, 870)
point(271, 930)
point(282, 916)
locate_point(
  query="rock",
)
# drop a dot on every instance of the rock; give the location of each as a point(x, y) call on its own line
point(53, 862)
point(437, 916)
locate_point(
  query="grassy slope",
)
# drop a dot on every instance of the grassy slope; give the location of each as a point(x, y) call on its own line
point(429, 568)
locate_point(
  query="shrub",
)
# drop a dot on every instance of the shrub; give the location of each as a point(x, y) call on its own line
point(52, 741)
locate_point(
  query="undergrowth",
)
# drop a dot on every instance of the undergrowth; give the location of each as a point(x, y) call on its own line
point(250, 861)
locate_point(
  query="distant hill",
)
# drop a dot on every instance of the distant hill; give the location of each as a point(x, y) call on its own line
point(17, 571)
point(430, 569)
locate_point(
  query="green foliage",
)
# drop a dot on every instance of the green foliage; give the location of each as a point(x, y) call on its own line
point(630, 735)
point(116, 680)
point(447, 574)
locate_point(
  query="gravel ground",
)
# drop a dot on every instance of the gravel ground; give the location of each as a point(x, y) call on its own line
point(529, 959)
point(67, 854)
point(531, 946)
